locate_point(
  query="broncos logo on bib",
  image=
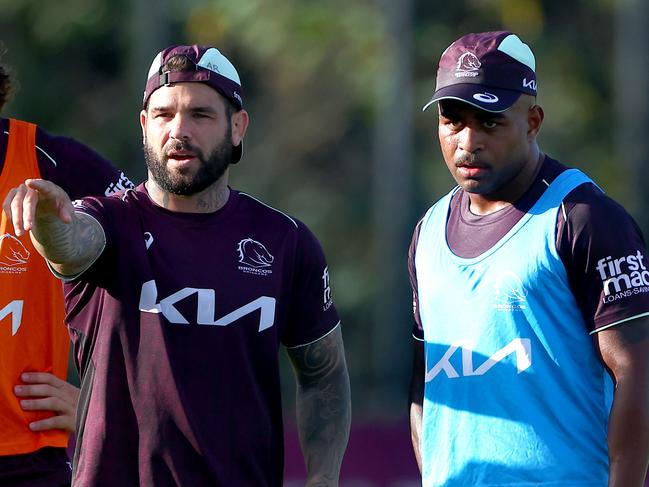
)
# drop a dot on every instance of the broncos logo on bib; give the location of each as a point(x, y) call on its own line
point(12, 251)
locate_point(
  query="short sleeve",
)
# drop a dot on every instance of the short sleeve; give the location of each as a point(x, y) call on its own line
point(97, 208)
point(417, 328)
point(312, 313)
point(79, 170)
point(103, 210)
point(605, 257)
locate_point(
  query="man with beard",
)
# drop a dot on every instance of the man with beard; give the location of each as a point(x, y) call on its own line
point(179, 294)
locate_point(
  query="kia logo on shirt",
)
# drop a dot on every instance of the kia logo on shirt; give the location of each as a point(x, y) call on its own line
point(205, 307)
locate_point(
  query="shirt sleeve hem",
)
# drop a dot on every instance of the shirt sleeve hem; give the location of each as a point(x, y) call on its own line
point(615, 323)
point(313, 341)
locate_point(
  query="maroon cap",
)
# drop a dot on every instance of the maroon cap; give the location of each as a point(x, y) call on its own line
point(211, 68)
point(489, 70)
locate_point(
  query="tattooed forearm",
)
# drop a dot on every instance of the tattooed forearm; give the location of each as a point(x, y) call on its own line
point(323, 407)
point(71, 247)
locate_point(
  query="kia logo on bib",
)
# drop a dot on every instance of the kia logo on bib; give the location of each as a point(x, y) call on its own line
point(15, 310)
point(520, 348)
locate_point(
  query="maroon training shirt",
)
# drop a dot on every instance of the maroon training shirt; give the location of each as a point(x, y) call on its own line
point(177, 328)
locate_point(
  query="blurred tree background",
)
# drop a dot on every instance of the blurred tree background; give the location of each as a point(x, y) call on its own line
point(337, 138)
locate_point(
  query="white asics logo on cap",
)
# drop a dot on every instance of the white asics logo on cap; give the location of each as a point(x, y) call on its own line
point(486, 97)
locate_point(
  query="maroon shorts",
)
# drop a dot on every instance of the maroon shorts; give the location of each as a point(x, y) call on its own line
point(47, 467)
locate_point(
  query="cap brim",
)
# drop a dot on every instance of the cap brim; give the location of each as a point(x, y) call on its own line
point(237, 152)
point(485, 98)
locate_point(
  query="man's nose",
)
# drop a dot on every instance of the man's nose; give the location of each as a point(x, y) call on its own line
point(470, 140)
point(179, 128)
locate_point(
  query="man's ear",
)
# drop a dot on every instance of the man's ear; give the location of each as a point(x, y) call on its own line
point(239, 123)
point(143, 120)
point(535, 117)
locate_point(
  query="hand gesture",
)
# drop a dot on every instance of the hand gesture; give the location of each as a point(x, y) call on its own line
point(46, 392)
point(36, 198)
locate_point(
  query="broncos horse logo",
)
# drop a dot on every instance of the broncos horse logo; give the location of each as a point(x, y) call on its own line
point(510, 289)
point(468, 62)
point(254, 254)
point(12, 251)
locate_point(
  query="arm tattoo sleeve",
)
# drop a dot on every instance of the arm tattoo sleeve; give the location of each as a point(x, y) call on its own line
point(323, 406)
point(70, 248)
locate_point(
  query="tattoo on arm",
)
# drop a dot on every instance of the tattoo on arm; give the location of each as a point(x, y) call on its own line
point(323, 406)
point(70, 248)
